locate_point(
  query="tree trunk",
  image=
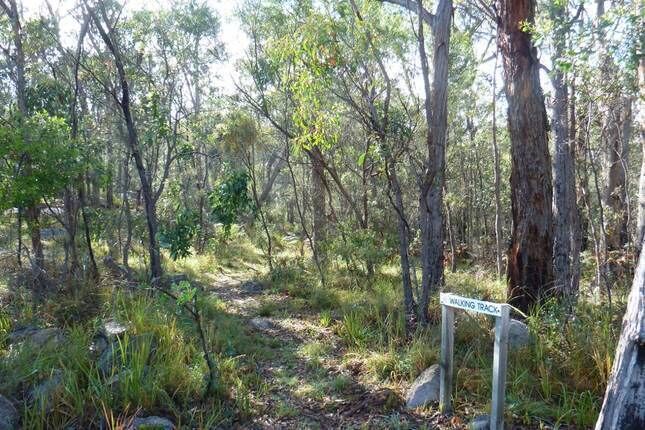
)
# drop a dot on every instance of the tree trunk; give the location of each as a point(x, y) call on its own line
point(624, 404)
point(615, 192)
point(436, 112)
point(404, 240)
point(319, 231)
point(31, 213)
point(499, 221)
point(125, 252)
point(451, 240)
point(38, 258)
point(564, 190)
point(71, 221)
point(576, 215)
point(640, 227)
point(146, 187)
point(530, 265)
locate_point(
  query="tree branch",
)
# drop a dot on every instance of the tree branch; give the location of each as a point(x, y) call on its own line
point(412, 6)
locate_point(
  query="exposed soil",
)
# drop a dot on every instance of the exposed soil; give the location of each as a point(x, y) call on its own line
point(301, 393)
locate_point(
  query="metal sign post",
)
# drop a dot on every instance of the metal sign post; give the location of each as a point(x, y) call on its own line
point(501, 312)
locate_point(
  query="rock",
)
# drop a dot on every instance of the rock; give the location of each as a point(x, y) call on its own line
point(112, 357)
point(425, 388)
point(8, 415)
point(262, 324)
point(151, 423)
point(113, 328)
point(37, 337)
point(518, 334)
point(44, 391)
point(481, 422)
point(252, 287)
point(109, 332)
point(98, 345)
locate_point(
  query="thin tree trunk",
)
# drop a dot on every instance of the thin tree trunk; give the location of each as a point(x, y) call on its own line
point(576, 215)
point(404, 234)
point(451, 240)
point(564, 191)
point(615, 191)
point(499, 221)
point(250, 163)
point(125, 252)
point(303, 223)
point(602, 241)
point(156, 270)
point(436, 112)
point(71, 221)
point(32, 212)
point(79, 205)
point(319, 231)
point(19, 246)
point(640, 225)
point(530, 264)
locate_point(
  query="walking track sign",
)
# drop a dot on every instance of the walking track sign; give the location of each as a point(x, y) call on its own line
point(501, 311)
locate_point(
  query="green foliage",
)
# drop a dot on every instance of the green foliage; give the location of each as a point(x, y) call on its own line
point(362, 245)
point(186, 293)
point(49, 95)
point(39, 159)
point(230, 199)
point(239, 131)
point(177, 238)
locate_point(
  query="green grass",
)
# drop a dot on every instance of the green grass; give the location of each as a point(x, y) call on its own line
point(559, 379)
point(157, 367)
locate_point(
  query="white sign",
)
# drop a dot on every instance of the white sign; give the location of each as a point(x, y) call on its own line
point(501, 311)
point(494, 309)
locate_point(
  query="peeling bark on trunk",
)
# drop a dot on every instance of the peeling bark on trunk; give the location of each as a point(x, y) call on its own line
point(624, 404)
point(530, 262)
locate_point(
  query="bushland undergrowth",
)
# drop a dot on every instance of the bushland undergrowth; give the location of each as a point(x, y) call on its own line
point(558, 379)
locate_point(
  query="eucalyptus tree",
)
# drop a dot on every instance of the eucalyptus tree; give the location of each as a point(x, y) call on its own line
point(566, 244)
point(188, 37)
point(17, 59)
point(624, 403)
point(640, 226)
point(102, 23)
point(616, 111)
point(432, 182)
point(288, 88)
point(432, 179)
point(530, 264)
point(374, 99)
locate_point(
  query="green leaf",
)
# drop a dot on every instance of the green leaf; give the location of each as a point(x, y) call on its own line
point(361, 159)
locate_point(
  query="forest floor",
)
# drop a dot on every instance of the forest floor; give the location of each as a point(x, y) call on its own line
point(309, 381)
point(291, 353)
